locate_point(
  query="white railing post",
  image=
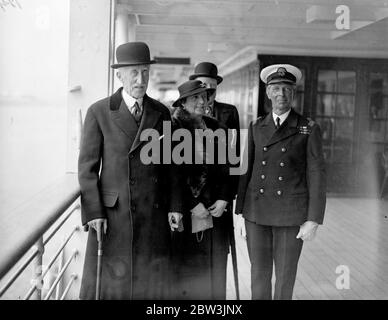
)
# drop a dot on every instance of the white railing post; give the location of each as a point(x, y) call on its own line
point(38, 270)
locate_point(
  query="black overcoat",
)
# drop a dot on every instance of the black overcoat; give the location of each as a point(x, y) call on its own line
point(134, 197)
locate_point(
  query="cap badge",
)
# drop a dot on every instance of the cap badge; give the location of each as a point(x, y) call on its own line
point(282, 71)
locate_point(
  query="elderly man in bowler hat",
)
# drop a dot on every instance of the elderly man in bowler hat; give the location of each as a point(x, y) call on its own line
point(227, 114)
point(283, 194)
point(131, 203)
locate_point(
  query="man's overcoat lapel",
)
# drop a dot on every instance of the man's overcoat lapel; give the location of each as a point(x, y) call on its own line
point(148, 121)
point(123, 118)
point(125, 121)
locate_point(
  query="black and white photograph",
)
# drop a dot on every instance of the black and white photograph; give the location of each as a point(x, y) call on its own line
point(194, 155)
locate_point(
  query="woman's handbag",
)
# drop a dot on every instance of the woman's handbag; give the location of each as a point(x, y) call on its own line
point(201, 224)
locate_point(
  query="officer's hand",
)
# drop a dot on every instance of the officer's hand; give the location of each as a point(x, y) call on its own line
point(200, 211)
point(175, 221)
point(218, 208)
point(240, 226)
point(307, 231)
point(99, 225)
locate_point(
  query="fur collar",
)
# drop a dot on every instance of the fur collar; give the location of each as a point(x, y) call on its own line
point(189, 120)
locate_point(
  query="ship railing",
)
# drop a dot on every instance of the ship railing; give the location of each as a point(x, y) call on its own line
point(30, 229)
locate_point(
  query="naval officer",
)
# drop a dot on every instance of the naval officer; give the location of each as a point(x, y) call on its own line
point(283, 194)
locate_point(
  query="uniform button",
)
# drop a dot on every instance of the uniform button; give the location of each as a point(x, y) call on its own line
point(284, 149)
point(281, 164)
point(262, 177)
point(132, 181)
point(280, 178)
point(156, 205)
point(265, 149)
point(133, 208)
point(261, 191)
point(264, 162)
point(279, 192)
point(131, 156)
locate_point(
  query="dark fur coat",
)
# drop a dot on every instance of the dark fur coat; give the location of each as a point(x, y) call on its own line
point(207, 182)
point(200, 259)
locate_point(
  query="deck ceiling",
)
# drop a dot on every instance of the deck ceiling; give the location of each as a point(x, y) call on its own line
point(217, 30)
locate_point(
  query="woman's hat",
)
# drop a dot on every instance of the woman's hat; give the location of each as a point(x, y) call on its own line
point(132, 54)
point(190, 88)
point(206, 69)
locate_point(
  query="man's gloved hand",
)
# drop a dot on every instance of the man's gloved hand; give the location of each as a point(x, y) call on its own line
point(218, 208)
point(99, 225)
point(307, 231)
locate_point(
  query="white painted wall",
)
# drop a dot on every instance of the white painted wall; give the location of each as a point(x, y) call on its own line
point(34, 50)
point(33, 84)
point(47, 49)
point(89, 64)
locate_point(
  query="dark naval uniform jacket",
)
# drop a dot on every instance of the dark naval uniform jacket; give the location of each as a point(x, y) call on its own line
point(134, 197)
point(285, 184)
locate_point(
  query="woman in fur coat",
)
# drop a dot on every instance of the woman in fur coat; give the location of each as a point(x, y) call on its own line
point(200, 250)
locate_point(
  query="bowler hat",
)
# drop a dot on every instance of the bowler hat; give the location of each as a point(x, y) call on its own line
point(206, 69)
point(190, 88)
point(280, 73)
point(132, 54)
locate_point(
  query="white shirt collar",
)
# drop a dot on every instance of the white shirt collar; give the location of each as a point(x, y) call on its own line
point(130, 101)
point(282, 117)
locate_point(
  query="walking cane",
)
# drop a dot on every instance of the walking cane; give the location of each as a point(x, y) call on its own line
point(99, 261)
point(232, 244)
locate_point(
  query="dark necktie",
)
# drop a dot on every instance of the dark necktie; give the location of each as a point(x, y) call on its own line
point(136, 112)
point(277, 123)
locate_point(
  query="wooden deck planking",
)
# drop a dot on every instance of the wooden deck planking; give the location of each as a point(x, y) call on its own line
point(327, 267)
point(325, 281)
point(359, 267)
point(355, 234)
point(363, 256)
